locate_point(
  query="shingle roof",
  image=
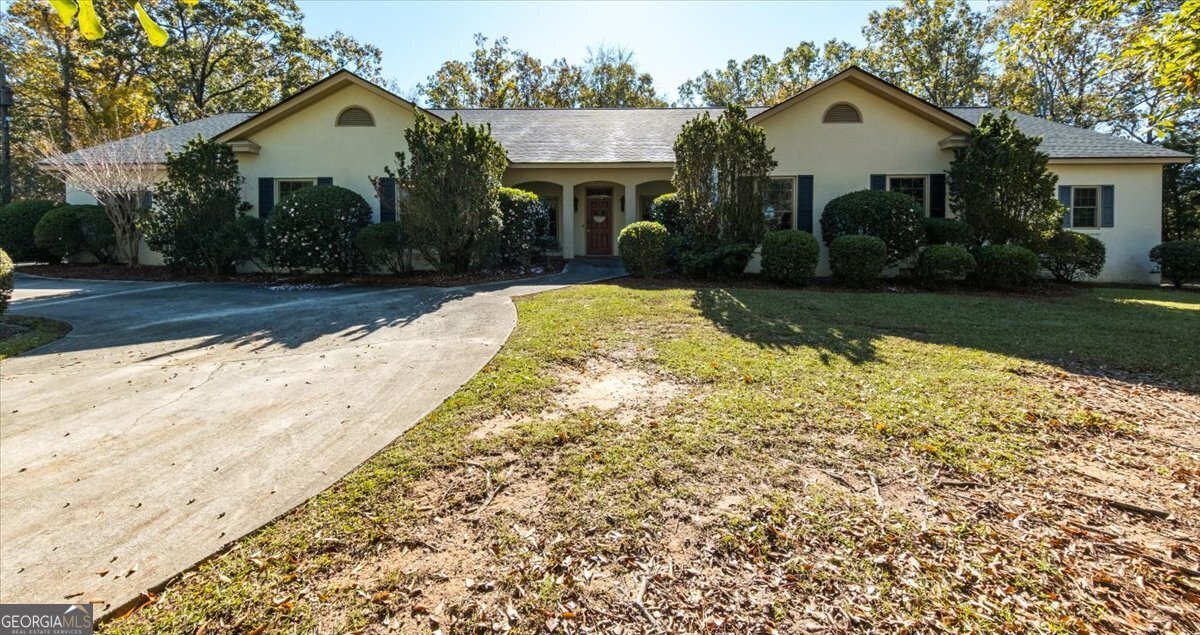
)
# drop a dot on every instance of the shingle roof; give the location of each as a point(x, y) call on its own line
point(600, 135)
point(152, 147)
point(630, 135)
point(1061, 141)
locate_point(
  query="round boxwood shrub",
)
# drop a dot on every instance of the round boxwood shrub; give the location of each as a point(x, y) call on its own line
point(790, 256)
point(1179, 260)
point(939, 264)
point(857, 260)
point(1071, 255)
point(17, 220)
point(894, 218)
point(948, 231)
point(1005, 266)
point(384, 246)
point(315, 227)
point(643, 248)
point(58, 232)
point(6, 280)
point(666, 210)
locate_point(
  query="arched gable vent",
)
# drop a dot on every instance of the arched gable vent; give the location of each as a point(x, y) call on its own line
point(842, 113)
point(355, 116)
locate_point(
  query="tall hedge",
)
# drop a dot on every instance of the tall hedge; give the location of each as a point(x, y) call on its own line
point(524, 217)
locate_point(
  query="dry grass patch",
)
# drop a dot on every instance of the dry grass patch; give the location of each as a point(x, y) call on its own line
point(760, 463)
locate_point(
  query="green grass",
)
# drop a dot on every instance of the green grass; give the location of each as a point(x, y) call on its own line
point(776, 385)
point(41, 331)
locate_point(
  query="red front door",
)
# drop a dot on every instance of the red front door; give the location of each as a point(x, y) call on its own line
point(599, 226)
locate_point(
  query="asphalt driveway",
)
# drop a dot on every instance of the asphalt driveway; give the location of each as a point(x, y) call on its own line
point(176, 418)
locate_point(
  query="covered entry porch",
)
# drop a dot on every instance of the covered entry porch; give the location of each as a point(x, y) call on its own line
point(590, 205)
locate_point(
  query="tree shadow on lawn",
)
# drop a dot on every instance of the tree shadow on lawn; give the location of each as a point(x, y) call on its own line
point(1142, 331)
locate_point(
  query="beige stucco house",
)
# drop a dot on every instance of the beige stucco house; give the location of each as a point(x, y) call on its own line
point(598, 169)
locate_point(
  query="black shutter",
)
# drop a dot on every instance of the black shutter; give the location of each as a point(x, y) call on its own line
point(1107, 205)
point(387, 199)
point(879, 181)
point(937, 195)
point(324, 180)
point(804, 203)
point(266, 196)
point(1064, 197)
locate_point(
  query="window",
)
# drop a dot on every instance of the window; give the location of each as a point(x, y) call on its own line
point(287, 186)
point(842, 113)
point(355, 116)
point(1085, 206)
point(913, 186)
point(781, 203)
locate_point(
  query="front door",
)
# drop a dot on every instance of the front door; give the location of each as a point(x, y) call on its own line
point(599, 226)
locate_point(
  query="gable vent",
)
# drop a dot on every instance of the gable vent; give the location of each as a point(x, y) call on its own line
point(355, 116)
point(842, 113)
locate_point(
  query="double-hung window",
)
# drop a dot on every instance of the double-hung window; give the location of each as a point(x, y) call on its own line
point(1085, 207)
point(287, 186)
point(913, 186)
point(781, 203)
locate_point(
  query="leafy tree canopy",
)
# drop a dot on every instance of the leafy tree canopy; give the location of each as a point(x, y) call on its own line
point(498, 76)
point(759, 81)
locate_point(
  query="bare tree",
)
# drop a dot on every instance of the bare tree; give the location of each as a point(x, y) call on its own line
point(119, 173)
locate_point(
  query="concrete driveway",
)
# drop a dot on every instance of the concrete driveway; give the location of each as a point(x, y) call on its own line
point(176, 418)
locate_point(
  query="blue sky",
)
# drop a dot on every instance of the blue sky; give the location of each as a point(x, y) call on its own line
point(672, 40)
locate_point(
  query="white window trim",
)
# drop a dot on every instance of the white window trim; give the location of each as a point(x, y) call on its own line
point(279, 182)
point(1099, 207)
point(795, 203)
point(924, 179)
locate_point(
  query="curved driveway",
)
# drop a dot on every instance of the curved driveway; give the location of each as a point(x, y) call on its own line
point(176, 418)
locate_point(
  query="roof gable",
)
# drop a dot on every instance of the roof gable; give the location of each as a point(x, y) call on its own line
point(879, 87)
point(309, 95)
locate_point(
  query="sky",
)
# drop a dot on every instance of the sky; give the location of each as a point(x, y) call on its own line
point(673, 41)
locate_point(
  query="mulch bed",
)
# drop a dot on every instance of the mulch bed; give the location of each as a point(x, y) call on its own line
point(412, 279)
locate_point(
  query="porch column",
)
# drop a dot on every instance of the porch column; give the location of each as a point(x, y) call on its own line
point(566, 220)
point(631, 203)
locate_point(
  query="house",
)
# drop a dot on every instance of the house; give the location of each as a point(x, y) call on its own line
point(599, 169)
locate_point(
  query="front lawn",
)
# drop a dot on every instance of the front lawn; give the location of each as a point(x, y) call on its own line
point(653, 458)
point(19, 333)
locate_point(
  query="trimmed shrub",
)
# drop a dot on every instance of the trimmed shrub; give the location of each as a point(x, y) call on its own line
point(948, 231)
point(666, 211)
point(1179, 261)
point(698, 258)
point(17, 220)
point(385, 247)
point(522, 240)
point(894, 218)
point(58, 232)
point(315, 227)
point(1005, 266)
point(939, 264)
point(857, 260)
point(1070, 255)
point(790, 256)
point(6, 280)
point(99, 235)
point(643, 248)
